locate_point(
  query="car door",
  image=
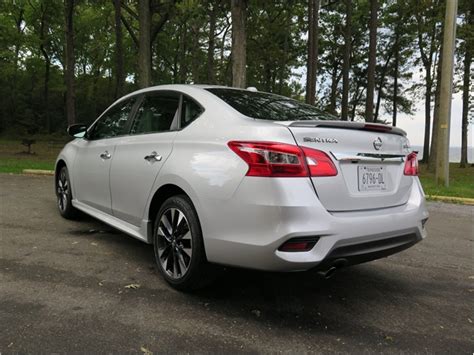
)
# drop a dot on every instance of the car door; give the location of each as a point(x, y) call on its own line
point(95, 154)
point(139, 157)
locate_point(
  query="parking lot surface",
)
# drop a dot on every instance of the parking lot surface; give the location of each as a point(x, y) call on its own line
point(82, 286)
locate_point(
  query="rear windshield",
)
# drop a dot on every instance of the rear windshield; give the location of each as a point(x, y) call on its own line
point(265, 106)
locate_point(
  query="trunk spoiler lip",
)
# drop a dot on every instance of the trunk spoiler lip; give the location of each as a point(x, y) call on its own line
point(362, 126)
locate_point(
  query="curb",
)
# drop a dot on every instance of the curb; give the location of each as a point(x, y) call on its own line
point(38, 172)
point(463, 200)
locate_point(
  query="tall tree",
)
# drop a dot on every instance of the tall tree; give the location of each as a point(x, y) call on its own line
point(211, 43)
point(427, 19)
point(466, 97)
point(346, 65)
point(313, 50)
point(148, 30)
point(44, 12)
point(144, 43)
point(70, 62)
point(369, 104)
point(466, 34)
point(119, 60)
point(239, 43)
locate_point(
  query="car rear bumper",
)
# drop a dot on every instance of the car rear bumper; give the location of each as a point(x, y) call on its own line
point(247, 230)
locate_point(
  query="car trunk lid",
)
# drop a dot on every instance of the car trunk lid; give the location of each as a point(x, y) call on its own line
point(369, 159)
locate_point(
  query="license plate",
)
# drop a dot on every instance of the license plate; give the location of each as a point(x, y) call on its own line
point(372, 177)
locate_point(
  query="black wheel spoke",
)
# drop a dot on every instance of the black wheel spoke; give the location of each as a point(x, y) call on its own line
point(174, 243)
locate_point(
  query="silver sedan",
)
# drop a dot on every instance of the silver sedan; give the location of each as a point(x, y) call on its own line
point(216, 175)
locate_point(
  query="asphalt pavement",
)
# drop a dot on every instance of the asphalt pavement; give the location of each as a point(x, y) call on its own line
point(81, 286)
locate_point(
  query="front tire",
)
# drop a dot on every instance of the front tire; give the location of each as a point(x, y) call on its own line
point(64, 195)
point(178, 245)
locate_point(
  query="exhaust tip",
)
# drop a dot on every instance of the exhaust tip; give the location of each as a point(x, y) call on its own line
point(327, 274)
point(330, 273)
point(337, 264)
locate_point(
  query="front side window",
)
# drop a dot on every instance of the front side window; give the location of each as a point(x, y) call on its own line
point(156, 113)
point(114, 122)
point(267, 106)
point(190, 110)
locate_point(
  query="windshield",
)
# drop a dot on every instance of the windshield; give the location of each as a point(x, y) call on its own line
point(267, 106)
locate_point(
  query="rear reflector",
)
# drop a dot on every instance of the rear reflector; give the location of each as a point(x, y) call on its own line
point(271, 159)
point(299, 244)
point(411, 165)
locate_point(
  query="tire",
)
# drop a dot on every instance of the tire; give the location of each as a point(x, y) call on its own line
point(178, 245)
point(64, 195)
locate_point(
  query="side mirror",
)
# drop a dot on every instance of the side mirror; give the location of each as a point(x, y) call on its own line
point(77, 130)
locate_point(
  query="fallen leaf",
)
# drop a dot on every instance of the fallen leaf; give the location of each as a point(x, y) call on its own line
point(94, 244)
point(388, 338)
point(145, 351)
point(133, 286)
point(469, 320)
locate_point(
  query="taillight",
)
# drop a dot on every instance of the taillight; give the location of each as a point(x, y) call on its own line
point(411, 165)
point(272, 159)
point(319, 163)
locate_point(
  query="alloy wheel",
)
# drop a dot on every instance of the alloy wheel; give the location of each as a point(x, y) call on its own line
point(62, 190)
point(174, 243)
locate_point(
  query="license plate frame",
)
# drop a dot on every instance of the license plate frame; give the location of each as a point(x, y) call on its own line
point(372, 177)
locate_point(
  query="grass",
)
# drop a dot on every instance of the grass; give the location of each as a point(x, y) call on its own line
point(461, 182)
point(14, 160)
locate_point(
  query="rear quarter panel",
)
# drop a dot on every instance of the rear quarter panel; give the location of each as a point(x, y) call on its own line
point(203, 165)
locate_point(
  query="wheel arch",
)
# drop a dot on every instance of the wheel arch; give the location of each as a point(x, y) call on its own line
point(161, 195)
point(59, 165)
point(165, 191)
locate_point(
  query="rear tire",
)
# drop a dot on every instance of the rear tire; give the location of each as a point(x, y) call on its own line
point(178, 245)
point(64, 195)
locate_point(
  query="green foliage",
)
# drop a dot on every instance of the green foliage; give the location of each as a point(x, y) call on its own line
point(32, 89)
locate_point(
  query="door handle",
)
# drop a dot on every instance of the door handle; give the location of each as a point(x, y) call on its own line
point(106, 155)
point(154, 156)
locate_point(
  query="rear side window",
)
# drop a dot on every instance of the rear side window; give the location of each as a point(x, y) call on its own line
point(267, 106)
point(190, 110)
point(114, 122)
point(156, 113)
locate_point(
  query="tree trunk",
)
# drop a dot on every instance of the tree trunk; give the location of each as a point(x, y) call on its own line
point(346, 61)
point(381, 84)
point(426, 140)
point(335, 79)
point(434, 134)
point(195, 50)
point(144, 44)
point(395, 83)
point(211, 46)
point(119, 66)
point(465, 105)
point(369, 104)
point(70, 62)
point(183, 68)
point(313, 49)
point(47, 65)
point(284, 57)
point(239, 43)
